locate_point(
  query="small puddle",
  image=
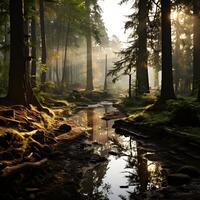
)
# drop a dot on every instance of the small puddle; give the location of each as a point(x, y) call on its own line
point(127, 172)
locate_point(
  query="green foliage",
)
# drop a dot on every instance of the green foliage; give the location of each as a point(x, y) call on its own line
point(141, 101)
point(43, 67)
point(184, 112)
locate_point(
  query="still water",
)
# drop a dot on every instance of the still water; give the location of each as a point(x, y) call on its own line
point(127, 172)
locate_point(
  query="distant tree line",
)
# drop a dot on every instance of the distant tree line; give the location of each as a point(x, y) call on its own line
point(166, 36)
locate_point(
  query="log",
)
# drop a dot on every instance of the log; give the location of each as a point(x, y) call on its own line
point(11, 170)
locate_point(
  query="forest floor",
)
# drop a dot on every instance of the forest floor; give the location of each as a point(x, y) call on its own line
point(172, 133)
point(37, 149)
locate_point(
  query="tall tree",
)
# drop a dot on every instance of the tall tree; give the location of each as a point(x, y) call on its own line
point(33, 48)
point(19, 91)
point(43, 40)
point(167, 89)
point(89, 85)
point(141, 63)
point(65, 74)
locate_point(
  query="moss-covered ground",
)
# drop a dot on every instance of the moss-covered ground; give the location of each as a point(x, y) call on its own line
point(181, 113)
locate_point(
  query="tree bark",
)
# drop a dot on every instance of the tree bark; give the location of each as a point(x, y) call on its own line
point(167, 89)
point(43, 39)
point(17, 90)
point(26, 32)
point(33, 52)
point(89, 85)
point(141, 65)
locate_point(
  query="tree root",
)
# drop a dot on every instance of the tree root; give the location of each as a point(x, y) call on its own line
point(11, 170)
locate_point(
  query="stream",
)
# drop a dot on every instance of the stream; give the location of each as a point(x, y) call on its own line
point(126, 172)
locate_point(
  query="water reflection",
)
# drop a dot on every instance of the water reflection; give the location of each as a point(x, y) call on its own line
point(127, 171)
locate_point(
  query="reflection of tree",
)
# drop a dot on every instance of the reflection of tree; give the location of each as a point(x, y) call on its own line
point(93, 182)
point(146, 173)
point(155, 175)
point(142, 169)
point(90, 122)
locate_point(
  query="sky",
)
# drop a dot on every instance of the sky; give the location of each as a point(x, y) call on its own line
point(114, 17)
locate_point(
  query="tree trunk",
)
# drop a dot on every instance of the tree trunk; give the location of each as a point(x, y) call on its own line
point(43, 39)
point(196, 50)
point(19, 91)
point(130, 85)
point(33, 52)
point(167, 89)
point(176, 61)
point(26, 32)
point(89, 85)
point(141, 65)
point(65, 74)
point(142, 169)
point(106, 71)
point(57, 65)
point(4, 67)
point(156, 79)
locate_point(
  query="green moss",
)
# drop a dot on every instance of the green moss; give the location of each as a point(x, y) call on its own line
point(158, 118)
point(180, 112)
point(11, 138)
point(135, 104)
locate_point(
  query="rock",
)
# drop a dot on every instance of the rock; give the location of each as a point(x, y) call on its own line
point(64, 128)
point(178, 179)
point(190, 171)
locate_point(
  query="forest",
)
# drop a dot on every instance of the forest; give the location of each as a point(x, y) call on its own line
point(88, 115)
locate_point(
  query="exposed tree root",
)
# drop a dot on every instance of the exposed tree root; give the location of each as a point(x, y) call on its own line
point(11, 170)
